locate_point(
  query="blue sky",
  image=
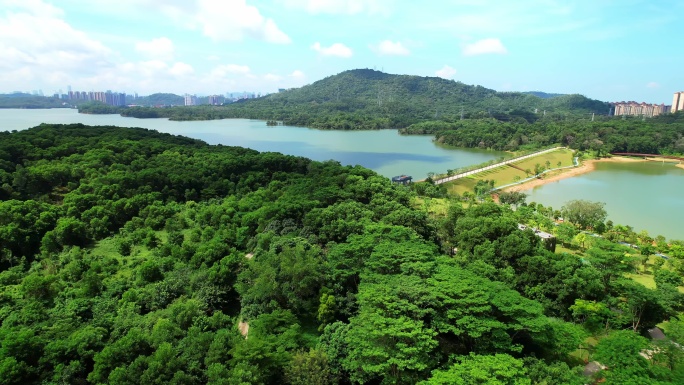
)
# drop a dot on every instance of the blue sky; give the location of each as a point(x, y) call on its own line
point(608, 50)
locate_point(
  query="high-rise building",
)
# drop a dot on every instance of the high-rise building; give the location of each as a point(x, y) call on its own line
point(639, 109)
point(678, 101)
point(190, 100)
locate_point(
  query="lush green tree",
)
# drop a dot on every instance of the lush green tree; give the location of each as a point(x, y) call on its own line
point(514, 198)
point(584, 214)
point(309, 368)
point(620, 352)
point(498, 369)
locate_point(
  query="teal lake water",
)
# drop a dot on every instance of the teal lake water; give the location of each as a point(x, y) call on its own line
point(646, 196)
point(384, 151)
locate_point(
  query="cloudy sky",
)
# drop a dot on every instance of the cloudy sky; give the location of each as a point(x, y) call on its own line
point(608, 50)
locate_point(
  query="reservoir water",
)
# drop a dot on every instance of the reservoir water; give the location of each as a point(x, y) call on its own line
point(384, 151)
point(643, 195)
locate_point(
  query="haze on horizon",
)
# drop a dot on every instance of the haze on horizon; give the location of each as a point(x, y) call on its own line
point(606, 50)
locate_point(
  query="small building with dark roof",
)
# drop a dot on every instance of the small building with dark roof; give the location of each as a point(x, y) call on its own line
point(403, 179)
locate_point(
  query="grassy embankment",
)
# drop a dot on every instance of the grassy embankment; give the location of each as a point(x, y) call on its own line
point(506, 174)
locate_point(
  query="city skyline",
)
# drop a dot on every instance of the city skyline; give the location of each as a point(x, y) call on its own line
point(607, 51)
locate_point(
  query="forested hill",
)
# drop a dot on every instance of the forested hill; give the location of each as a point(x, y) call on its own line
point(399, 100)
point(128, 256)
point(368, 99)
point(23, 100)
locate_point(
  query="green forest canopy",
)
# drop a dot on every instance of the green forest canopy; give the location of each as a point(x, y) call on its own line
point(131, 257)
point(368, 99)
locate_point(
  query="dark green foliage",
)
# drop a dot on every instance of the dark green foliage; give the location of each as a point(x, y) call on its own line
point(133, 257)
point(660, 135)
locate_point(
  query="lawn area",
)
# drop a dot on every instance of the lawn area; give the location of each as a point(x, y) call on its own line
point(564, 156)
point(647, 280)
point(506, 174)
point(435, 207)
point(462, 185)
point(583, 354)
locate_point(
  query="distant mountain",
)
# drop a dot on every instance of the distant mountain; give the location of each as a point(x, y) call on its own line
point(543, 95)
point(24, 100)
point(159, 99)
point(368, 99)
point(365, 98)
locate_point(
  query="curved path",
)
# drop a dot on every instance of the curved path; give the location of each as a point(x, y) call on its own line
point(505, 162)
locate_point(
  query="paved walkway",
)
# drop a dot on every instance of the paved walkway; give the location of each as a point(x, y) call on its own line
point(505, 162)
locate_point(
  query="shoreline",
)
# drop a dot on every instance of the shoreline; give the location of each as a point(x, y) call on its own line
point(584, 168)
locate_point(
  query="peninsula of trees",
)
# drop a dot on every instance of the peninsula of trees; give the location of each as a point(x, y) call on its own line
point(134, 257)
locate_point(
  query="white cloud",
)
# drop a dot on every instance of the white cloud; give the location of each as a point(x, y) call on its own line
point(345, 7)
point(388, 47)
point(337, 49)
point(273, 77)
point(652, 85)
point(38, 45)
point(149, 69)
point(230, 69)
point(159, 48)
point(181, 69)
point(233, 20)
point(35, 7)
point(485, 46)
point(446, 72)
point(298, 75)
point(528, 18)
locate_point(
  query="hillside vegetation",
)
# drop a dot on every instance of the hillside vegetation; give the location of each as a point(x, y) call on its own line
point(368, 99)
point(658, 135)
point(133, 257)
point(22, 100)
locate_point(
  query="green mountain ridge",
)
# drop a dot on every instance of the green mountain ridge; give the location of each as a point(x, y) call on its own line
point(401, 100)
point(364, 99)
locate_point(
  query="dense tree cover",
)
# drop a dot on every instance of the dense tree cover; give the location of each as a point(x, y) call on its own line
point(366, 99)
point(98, 108)
point(22, 100)
point(134, 257)
point(659, 135)
point(158, 99)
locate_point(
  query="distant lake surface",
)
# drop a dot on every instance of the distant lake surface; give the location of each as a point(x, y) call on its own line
point(643, 195)
point(384, 151)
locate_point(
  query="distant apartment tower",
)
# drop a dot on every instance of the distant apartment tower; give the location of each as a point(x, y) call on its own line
point(639, 109)
point(678, 101)
point(215, 100)
point(190, 100)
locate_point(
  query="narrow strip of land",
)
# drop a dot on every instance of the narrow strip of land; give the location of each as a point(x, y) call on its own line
point(493, 166)
point(585, 167)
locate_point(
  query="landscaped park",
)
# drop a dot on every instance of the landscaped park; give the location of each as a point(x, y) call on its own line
point(518, 171)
